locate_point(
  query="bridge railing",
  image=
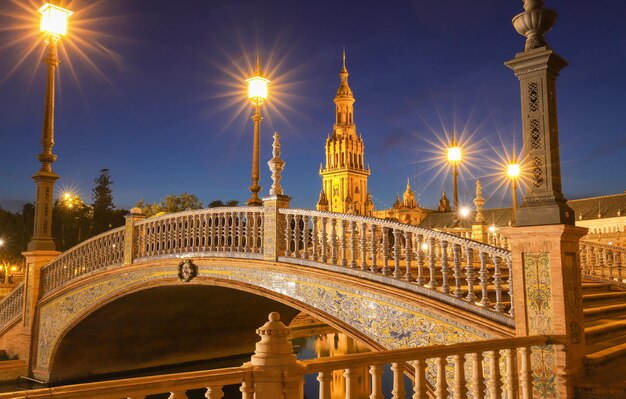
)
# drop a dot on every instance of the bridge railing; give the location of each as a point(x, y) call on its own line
point(11, 306)
point(495, 369)
point(229, 231)
point(453, 267)
point(101, 251)
point(602, 262)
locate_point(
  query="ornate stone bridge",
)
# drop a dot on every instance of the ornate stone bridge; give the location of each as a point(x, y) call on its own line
point(388, 284)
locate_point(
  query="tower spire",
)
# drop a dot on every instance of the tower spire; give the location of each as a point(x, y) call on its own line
point(344, 58)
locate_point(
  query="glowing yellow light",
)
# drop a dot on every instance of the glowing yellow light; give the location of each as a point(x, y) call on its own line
point(424, 247)
point(54, 20)
point(454, 154)
point(257, 89)
point(13, 268)
point(67, 196)
point(464, 212)
point(1, 243)
point(492, 229)
point(513, 170)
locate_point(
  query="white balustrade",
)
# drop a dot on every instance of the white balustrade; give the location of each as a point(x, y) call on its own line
point(403, 252)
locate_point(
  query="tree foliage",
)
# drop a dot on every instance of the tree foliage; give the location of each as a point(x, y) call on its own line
point(15, 232)
point(171, 203)
point(71, 221)
point(220, 203)
point(102, 203)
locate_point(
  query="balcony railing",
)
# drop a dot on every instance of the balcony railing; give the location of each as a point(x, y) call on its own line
point(233, 232)
point(603, 262)
point(11, 306)
point(101, 251)
point(457, 269)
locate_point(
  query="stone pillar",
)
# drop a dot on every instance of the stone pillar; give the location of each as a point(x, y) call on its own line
point(130, 236)
point(548, 301)
point(277, 373)
point(35, 260)
point(537, 69)
point(479, 227)
point(274, 225)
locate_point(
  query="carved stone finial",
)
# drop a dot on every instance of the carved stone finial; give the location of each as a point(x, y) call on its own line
point(479, 201)
point(534, 23)
point(274, 347)
point(276, 167)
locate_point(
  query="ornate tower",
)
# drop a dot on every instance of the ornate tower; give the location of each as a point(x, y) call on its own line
point(344, 178)
point(537, 68)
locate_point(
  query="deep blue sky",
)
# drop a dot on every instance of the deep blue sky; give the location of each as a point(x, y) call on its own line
point(159, 110)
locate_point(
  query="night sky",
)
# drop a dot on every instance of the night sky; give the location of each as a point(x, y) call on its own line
point(153, 90)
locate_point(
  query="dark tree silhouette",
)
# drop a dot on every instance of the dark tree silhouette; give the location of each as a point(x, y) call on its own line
point(102, 203)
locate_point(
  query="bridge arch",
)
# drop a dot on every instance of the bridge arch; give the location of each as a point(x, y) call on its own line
point(381, 316)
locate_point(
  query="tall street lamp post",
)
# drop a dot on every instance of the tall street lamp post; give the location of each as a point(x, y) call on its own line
point(257, 93)
point(54, 25)
point(454, 158)
point(513, 171)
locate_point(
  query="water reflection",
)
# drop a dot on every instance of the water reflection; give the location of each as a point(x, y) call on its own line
point(328, 345)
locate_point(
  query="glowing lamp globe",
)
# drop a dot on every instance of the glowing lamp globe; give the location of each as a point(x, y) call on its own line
point(513, 170)
point(54, 20)
point(257, 89)
point(454, 154)
point(464, 212)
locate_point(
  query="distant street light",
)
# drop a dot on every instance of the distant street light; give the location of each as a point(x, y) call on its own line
point(454, 158)
point(464, 212)
point(513, 171)
point(257, 93)
point(54, 22)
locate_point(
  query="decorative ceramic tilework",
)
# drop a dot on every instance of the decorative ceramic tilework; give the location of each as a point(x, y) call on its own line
point(540, 321)
point(393, 323)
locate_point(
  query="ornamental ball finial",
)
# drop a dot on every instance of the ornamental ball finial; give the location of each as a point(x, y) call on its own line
point(274, 316)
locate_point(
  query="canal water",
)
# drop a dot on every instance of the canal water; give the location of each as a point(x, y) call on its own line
point(329, 343)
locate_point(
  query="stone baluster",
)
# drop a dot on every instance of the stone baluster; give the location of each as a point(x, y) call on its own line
point(497, 283)
point(495, 379)
point(458, 276)
point(419, 381)
point(305, 236)
point(220, 227)
point(408, 255)
point(296, 236)
point(350, 384)
point(247, 387)
point(353, 244)
point(432, 283)
point(240, 231)
point(525, 374)
point(584, 266)
point(397, 244)
point(398, 381)
point(214, 392)
point(325, 379)
point(343, 243)
point(509, 266)
point(592, 261)
point(459, 388)
point(323, 258)
point(315, 221)
point(376, 372)
point(232, 231)
point(288, 221)
point(373, 248)
point(419, 243)
point(333, 241)
point(483, 276)
point(178, 395)
point(213, 233)
point(511, 373)
point(363, 232)
point(601, 257)
point(441, 384)
point(609, 263)
point(617, 261)
point(478, 380)
point(385, 249)
point(445, 286)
